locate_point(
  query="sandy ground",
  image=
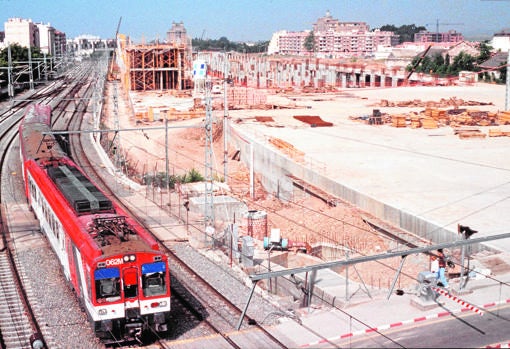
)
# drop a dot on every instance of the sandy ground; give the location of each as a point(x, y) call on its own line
point(307, 218)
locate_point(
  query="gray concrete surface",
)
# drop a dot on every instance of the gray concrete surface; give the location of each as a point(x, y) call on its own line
point(423, 180)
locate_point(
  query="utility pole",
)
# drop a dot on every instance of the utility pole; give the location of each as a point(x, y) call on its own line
point(507, 99)
point(10, 88)
point(225, 117)
point(208, 194)
point(30, 72)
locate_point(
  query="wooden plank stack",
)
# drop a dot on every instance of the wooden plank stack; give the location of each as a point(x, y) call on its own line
point(287, 149)
point(398, 120)
point(503, 117)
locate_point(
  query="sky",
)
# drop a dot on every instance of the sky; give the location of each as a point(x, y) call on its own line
point(254, 20)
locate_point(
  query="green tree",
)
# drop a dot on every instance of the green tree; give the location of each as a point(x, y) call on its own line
point(309, 43)
point(485, 52)
point(223, 44)
point(19, 57)
point(405, 32)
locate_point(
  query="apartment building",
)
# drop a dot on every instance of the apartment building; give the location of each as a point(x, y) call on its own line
point(26, 33)
point(46, 38)
point(21, 31)
point(451, 36)
point(333, 39)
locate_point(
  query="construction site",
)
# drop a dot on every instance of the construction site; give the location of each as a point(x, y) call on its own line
point(326, 155)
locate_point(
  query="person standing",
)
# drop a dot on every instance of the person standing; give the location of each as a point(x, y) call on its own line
point(434, 265)
point(441, 275)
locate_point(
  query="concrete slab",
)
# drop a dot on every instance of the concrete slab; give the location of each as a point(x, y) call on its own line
point(423, 180)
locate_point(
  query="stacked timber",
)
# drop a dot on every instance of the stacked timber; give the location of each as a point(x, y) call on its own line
point(415, 121)
point(287, 149)
point(503, 118)
point(398, 120)
point(498, 132)
point(429, 123)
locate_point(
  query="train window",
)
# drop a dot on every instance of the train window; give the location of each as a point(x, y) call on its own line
point(154, 284)
point(107, 282)
point(153, 279)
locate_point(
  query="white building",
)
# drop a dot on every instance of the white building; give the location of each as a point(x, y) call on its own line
point(21, 31)
point(501, 41)
point(46, 38)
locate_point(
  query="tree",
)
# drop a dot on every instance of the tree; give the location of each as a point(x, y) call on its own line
point(223, 44)
point(309, 43)
point(20, 54)
point(485, 52)
point(405, 32)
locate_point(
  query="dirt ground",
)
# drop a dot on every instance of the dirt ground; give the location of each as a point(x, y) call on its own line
point(306, 219)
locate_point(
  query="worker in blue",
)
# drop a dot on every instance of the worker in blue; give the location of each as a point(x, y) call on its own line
point(441, 274)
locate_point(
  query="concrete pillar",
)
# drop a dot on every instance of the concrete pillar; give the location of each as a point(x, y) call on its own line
point(394, 81)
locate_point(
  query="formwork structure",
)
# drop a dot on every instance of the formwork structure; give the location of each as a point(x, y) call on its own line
point(158, 67)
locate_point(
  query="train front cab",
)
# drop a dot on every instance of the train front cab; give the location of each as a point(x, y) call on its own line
point(131, 299)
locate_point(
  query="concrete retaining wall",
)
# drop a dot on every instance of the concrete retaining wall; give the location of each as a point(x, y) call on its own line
point(274, 169)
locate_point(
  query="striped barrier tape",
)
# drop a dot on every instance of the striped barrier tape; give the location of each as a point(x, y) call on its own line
point(458, 300)
point(401, 323)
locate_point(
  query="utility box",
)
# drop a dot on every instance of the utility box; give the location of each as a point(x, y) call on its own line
point(247, 251)
point(427, 280)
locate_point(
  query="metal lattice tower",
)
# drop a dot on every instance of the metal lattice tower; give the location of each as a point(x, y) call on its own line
point(507, 96)
point(116, 141)
point(208, 173)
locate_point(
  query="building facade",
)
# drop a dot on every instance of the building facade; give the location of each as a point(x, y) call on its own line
point(332, 39)
point(46, 38)
point(22, 31)
point(449, 36)
point(501, 41)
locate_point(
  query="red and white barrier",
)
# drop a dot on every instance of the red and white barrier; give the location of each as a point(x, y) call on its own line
point(458, 300)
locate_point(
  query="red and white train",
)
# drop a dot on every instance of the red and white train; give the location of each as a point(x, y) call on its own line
point(114, 266)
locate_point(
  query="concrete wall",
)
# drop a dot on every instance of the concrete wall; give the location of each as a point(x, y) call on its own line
point(274, 169)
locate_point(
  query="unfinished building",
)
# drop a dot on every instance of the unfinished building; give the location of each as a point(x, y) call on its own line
point(157, 66)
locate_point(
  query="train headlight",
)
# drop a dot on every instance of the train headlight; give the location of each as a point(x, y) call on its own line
point(132, 258)
point(129, 258)
point(102, 312)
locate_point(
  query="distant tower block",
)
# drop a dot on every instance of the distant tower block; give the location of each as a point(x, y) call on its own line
point(256, 224)
point(199, 75)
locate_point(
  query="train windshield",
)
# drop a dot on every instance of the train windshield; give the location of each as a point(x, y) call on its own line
point(153, 279)
point(107, 284)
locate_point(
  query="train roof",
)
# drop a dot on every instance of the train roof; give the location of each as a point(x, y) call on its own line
point(38, 113)
point(81, 194)
point(38, 143)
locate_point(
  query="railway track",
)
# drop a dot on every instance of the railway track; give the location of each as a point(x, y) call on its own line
point(19, 325)
point(16, 327)
point(212, 313)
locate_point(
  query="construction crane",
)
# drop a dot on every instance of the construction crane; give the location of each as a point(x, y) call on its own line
point(111, 73)
point(437, 27)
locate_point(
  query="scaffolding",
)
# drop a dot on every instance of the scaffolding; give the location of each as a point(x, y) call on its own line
point(158, 67)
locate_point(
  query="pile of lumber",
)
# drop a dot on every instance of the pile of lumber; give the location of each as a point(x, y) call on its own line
point(398, 120)
point(465, 133)
point(287, 149)
point(498, 132)
point(442, 103)
point(434, 118)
